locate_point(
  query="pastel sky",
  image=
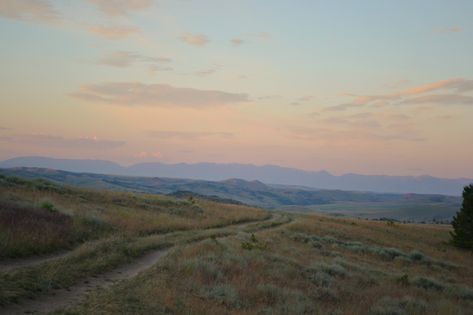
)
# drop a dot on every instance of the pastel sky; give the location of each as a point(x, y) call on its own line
point(371, 87)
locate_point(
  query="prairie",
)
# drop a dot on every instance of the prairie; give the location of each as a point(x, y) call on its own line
point(68, 250)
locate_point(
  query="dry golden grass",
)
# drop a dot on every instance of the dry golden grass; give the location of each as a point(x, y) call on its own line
point(93, 214)
point(102, 230)
point(283, 274)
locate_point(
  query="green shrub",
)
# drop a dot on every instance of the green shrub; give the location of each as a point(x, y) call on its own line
point(248, 245)
point(392, 306)
point(48, 205)
point(461, 292)
point(428, 283)
point(416, 256)
point(224, 294)
point(284, 300)
point(321, 274)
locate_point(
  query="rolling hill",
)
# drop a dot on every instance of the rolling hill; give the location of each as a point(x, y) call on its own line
point(269, 174)
point(405, 207)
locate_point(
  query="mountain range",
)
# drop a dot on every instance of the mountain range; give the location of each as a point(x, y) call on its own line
point(269, 174)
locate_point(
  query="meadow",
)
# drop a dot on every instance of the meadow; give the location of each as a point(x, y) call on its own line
point(216, 258)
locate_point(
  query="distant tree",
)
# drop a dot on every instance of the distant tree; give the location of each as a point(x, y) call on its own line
point(462, 235)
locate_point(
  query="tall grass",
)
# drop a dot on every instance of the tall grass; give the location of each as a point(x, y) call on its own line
point(27, 230)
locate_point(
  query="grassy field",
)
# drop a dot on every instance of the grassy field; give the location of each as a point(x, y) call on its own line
point(314, 265)
point(223, 259)
point(404, 207)
point(38, 217)
point(415, 211)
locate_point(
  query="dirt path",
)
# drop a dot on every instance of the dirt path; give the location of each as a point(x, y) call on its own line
point(10, 264)
point(65, 298)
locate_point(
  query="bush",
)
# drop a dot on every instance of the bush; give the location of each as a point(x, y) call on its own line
point(47, 205)
point(416, 256)
point(391, 306)
point(462, 292)
point(224, 294)
point(321, 274)
point(284, 300)
point(428, 283)
point(462, 235)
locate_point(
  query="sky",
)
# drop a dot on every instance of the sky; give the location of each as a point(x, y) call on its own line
point(369, 87)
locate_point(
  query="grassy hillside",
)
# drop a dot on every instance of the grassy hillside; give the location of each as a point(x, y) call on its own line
point(314, 265)
point(40, 217)
point(129, 253)
point(356, 204)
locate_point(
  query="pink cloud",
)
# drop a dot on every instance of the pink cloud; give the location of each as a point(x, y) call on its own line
point(198, 40)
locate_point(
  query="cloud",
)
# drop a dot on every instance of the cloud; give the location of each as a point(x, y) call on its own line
point(122, 59)
point(159, 95)
point(433, 93)
point(198, 40)
point(237, 42)
point(341, 107)
point(442, 99)
point(153, 68)
point(302, 100)
point(113, 32)
point(363, 122)
point(147, 155)
point(120, 7)
point(263, 36)
point(331, 136)
point(40, 11)
point(162, 134)
point(454, 29)
point(205, 72)
point(57, 141)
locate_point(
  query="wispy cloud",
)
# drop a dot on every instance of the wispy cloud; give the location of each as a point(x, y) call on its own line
point(57, 141)
point(120, 7)
point(41, 11)
point(444, 92)
point(237, 42)
point(159, 95)
point(113, 31)
point(153, 68)
point(122, 59)
point(148, 155)
point(454, 29)
point(198, 40)
point(340, 136)
point(205, 72)
point(263, 36)
point(302, 100)
point(441, 99)
point(165, 134)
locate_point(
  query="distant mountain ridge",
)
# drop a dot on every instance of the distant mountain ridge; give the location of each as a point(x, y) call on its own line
point(269, 174)
point(406, 207)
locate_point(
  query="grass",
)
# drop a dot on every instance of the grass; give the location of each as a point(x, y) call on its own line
point(37, 217)
point(290, 276)
point(101, 229)
point(292, 264)
point(26, 230)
